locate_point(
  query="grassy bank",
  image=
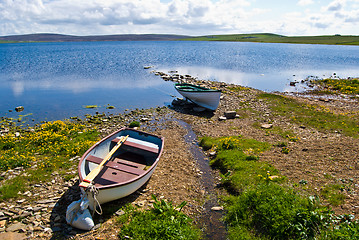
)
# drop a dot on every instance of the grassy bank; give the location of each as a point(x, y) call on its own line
point(262, 204)
point(309, 115)
point(337, 86)
point(274, 38)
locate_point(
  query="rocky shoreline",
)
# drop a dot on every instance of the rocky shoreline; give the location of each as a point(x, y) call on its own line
point(40, 214)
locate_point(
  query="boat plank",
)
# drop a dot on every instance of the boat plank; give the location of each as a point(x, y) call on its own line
point(137, 145)
point(110, 176)
point(117, 165)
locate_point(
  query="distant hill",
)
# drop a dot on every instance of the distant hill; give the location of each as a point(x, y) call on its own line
point(49, 37)
point(254, 37)
point(274, 38)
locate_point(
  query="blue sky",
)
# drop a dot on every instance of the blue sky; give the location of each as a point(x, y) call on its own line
point(184, 17)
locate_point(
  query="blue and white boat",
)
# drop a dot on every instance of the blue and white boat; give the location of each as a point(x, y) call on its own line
point(204, 97)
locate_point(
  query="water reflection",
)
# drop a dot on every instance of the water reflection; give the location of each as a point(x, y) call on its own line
point(78, 84)
point(55, 80)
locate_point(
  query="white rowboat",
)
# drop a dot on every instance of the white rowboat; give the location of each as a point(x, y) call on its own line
point(204, 97)
point(127, 170)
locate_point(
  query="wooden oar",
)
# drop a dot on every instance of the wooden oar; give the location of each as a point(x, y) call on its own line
point(91, 176)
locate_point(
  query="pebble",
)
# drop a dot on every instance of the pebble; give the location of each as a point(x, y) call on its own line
point(217, 208)
point(230, 114)
point(266, 126)
point(12, 235)
point(15, 227)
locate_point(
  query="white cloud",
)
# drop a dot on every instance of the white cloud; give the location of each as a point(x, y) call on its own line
point(336, 5)
point(191, 17)
point(352, 16)
point(305, 2)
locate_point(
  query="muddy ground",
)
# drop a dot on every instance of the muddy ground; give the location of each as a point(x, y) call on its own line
point(319, 158)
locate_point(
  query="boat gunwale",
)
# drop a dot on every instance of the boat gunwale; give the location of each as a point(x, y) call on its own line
point(203, 89)
point(115, 185)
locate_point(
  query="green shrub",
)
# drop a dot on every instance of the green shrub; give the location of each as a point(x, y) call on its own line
point(276, 212)
point(344, 227)
point(206, 143)
point(134, 124)
point(163, 221)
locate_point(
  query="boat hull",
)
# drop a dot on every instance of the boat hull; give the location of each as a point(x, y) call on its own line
point(131, 166)
point(203, 97)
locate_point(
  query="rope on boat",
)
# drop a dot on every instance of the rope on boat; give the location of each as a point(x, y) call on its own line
point(94, 192)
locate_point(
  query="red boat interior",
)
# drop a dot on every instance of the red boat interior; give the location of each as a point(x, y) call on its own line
point(124, 166)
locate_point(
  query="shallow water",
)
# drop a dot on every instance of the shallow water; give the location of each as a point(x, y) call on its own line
point(214, 228)
point(56, 80)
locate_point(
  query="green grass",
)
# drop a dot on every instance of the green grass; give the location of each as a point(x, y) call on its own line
point(333, 194)
point(274, 38)
point(315, 116)
point(40, 152)
point(263, 205)
point(163, 221)
point(338, 86)
point(91, 106)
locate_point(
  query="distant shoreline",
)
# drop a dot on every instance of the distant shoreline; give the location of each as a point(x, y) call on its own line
point(255, 37)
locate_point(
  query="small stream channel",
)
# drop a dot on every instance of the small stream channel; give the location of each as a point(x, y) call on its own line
point(211, 220)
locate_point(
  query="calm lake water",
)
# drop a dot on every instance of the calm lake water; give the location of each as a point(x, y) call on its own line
point(56, 80)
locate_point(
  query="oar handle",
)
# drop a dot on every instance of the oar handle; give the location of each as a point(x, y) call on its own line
point(91, 176)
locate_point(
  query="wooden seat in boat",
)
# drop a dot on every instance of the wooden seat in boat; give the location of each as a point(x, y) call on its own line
point(150, 147)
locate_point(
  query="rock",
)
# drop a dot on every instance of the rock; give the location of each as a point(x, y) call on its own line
point(5, 130)
point(324, 99)
point(141, 203)
point(119, 212)
point(218, 208)
point(266, 125)
point(2, 223)
point(12, 235)
point(16, 227)
point(212, 154)
point(230, 114)
point(57, 229)
point(19, 109)
point(47, 229)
